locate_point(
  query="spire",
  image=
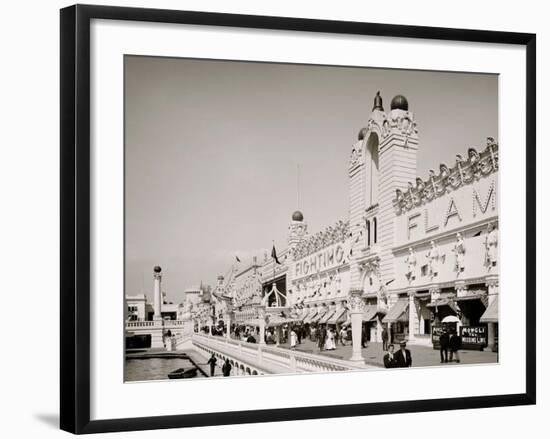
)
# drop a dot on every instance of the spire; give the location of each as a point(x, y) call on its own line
point(378, 102)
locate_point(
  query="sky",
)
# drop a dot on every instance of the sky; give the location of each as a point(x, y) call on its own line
point(212, 150)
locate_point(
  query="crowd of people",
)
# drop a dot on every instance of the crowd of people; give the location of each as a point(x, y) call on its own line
point(327, 338)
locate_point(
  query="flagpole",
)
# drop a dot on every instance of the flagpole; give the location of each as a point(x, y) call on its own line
point(274, 285)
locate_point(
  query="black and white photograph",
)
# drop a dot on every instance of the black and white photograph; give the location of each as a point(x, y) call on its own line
point(295, 218)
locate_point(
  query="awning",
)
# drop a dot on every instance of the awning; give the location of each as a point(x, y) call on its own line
point(310, 316)
point(491, 314)
point(275, 320)
point(338, 317)
point(422, 295)
point(318, 317)
point(443, 302)
point(327, 316)
point(370, 312)
point(469, 297)
point(397, 312)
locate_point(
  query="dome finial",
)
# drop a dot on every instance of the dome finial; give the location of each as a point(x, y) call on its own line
point(378, 102)
point(297, 216)
point(399, 102)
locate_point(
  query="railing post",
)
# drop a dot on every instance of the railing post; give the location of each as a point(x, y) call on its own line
point(292, 362)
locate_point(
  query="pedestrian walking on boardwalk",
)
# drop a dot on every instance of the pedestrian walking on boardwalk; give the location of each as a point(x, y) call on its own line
point(322, 338)
point(444, 346)
point(384, 339)
point(226, 368)
point(364, 337)
point(455, 343)
point(389, 358)
point(212, 362)
point(343, 334)
point(293, 339)
point(403, 356)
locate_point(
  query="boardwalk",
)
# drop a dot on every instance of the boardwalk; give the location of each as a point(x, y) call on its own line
point(422, 355)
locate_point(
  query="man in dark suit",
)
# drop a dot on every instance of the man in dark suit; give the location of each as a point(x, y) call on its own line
point(455, 343)
point(403, 356)
point(444, 345)
point(389, 358)
point(384, 339)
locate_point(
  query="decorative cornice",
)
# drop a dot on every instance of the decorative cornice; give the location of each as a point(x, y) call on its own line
point(465, 171)
point(320, 240)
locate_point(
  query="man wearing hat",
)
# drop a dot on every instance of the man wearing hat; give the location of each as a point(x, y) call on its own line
point(403, 357)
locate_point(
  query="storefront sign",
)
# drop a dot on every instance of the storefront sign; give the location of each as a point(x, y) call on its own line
point(473, 337)
point(322, 260)
point(436, 333)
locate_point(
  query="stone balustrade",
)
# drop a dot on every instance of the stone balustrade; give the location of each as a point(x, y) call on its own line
point(143, 323)
point(268, 360)
point(136, 324)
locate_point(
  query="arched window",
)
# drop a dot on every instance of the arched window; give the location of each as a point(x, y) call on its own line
point(375, 224)
point(368, 232)
point(372, 169)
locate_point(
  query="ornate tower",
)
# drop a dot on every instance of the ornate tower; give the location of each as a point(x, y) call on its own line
point(296, 230)
point(382, 160)
point(398, 159)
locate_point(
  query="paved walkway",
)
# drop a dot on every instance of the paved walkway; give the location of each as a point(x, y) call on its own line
point(421, 355)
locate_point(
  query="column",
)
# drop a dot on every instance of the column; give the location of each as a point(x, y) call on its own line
point(227, 320)
point(491, 336)
point(492, 287)
point(157, 294)
point(413, 316)
point(261, 316)
point(356, 306)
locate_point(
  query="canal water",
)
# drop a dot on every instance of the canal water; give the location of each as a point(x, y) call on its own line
point(153, 368)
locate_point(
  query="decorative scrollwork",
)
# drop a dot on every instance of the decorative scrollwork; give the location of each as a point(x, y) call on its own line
point(465, 171)
point(331, 235)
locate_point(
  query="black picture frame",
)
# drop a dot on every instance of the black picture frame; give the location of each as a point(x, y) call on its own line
point(75, 217)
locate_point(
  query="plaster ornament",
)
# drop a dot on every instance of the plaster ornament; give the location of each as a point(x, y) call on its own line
point(459, 251)
point(411, 265)
point(355, 303)
point(491, 244)
point(465, 171)
point(433, 259)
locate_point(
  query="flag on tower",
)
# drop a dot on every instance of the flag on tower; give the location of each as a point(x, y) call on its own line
point(274, 255)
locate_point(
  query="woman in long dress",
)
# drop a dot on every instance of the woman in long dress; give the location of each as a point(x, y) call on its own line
point(293, 339)
point(330, 346)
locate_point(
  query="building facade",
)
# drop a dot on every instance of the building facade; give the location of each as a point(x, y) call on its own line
point(414, 252)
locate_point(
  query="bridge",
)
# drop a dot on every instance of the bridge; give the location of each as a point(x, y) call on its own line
point(245, 358)
point(256, 359)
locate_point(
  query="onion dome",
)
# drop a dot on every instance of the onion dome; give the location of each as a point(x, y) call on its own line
point(399, 102)
point(157, 269)
point(362, 133)
point(297, 216)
